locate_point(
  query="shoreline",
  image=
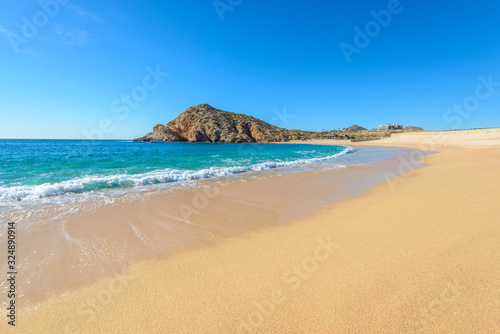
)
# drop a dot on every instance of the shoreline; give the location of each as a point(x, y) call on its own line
point(370, 263)
point(89, 244)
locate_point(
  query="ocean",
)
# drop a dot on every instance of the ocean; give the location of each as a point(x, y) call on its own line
point(33, 169)
point(36, 170)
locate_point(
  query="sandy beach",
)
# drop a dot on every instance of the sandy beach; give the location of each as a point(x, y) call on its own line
point(417, 253)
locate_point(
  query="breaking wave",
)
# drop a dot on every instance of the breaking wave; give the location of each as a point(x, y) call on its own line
point(94, 182)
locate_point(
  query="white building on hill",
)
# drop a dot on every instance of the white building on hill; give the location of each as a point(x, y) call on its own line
point(391, 127)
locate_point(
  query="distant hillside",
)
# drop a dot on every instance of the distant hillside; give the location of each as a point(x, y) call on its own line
point(412, 128)
point(355, 128)
point(202, 123)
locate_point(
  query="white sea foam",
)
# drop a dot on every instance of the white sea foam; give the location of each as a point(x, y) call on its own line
point(21, 193)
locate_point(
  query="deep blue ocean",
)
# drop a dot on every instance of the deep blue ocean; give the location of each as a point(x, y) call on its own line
point(32, 169)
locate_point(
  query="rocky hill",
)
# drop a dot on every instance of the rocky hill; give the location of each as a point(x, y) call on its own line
point(355, 128)
point(202, 123)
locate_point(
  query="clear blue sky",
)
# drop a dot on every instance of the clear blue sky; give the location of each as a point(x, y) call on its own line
point(280, 61)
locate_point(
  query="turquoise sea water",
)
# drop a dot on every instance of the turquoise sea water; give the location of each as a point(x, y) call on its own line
point(32, 169)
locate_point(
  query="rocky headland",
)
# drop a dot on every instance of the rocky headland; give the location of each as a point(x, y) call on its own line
point(203, 123)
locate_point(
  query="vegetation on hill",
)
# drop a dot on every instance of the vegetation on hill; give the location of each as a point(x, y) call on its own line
point(203, 123)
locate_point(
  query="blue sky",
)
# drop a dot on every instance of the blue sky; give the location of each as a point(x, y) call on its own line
point(98, 69)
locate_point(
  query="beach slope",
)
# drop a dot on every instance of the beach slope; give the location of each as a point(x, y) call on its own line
point(418, 253)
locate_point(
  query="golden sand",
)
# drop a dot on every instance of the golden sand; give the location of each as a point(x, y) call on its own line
point(416, 254)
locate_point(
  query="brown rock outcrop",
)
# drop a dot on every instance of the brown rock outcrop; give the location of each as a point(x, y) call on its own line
point(202, 123)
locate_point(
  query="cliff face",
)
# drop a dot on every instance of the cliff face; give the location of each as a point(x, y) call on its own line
point(203, 123)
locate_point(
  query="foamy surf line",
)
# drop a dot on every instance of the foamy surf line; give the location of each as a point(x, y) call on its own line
point(168, 175)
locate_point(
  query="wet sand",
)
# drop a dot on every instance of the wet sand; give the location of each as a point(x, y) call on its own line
point(417, 253)
point(60, 252)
